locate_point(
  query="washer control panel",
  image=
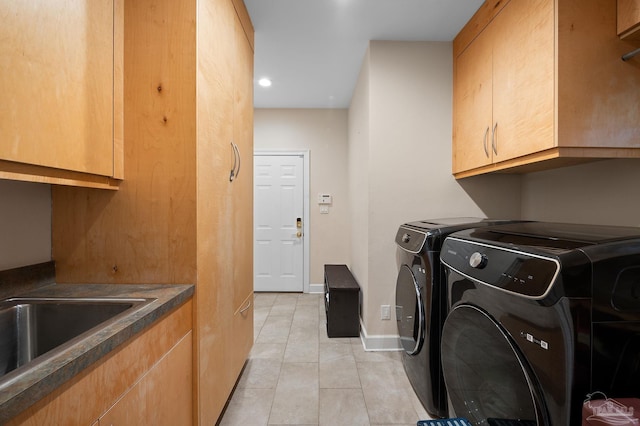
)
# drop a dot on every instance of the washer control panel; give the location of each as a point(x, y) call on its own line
point(410, 239)
point(511, 270)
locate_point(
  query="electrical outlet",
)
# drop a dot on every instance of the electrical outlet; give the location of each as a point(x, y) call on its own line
point(385, 312)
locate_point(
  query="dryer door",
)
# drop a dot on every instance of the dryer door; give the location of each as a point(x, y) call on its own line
point(487, 378)
point(409, 311)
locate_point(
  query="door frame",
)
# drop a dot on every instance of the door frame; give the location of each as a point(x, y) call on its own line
point(305, 205)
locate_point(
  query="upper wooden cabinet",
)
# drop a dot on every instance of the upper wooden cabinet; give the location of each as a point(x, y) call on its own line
point(629, 19)
point(495, 92)
point(61, 85)
point(540, 84)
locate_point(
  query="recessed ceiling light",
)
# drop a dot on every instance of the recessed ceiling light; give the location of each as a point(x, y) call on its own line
point(264, 82)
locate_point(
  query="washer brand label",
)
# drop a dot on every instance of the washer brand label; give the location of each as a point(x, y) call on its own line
point(530, 338)
point(452, 252)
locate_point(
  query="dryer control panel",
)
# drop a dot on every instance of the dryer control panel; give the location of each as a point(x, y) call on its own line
point(517, 272)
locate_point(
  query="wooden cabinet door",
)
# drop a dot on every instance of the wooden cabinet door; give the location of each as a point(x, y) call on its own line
point(225, 202)
point(57, 84)
point(163, 396)
point(243, 274)
point(472, 110)
point(243, 186)
point(239, 338)
point(523, 79)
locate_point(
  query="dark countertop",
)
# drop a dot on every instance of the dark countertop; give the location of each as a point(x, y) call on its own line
point(26, 385)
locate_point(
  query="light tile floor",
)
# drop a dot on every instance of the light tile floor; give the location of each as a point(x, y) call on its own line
point(296, 375)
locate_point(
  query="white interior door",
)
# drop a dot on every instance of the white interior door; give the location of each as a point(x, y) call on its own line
point(278, 215)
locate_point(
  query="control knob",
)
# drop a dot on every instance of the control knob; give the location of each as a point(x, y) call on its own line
point(406, 238)
point(478, 260)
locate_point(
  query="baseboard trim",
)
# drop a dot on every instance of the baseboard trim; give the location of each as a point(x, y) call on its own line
point(381, 342)
point(316, 288)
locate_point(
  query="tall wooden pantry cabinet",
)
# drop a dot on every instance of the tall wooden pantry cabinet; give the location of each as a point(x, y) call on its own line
point(183, 213)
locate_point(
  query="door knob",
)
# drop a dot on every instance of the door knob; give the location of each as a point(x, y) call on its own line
point(299, 234)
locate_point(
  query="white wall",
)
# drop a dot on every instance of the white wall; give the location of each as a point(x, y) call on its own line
point(324, 133)
point(400, 154)
point(604, 192)
point(25, 224)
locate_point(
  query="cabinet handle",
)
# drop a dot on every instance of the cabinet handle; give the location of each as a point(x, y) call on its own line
point(494, 144)
point(232, 175)
point(630, 55)
point(235, 170)
point(484, 142)
point(239, 159)
point(243, 310)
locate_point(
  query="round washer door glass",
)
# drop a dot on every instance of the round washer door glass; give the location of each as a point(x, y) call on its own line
point(409, 311)
point(485, 377)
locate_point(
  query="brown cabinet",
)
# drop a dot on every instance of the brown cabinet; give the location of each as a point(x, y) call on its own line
point(225, 201)
point(540, 84)
point(61, 83)
point(240, 340)
point(178, 217)
point(495, 93)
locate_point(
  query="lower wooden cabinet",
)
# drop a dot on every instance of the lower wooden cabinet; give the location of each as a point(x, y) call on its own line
point(148, 381)
point(162, 396)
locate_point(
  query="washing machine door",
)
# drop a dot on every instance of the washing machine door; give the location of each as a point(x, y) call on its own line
point(488, 380)
point(409, 311)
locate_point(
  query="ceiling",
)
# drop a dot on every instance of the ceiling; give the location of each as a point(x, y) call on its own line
point(312, 50)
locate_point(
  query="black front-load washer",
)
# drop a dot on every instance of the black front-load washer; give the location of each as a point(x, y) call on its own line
point(420, 307)
point(541, 315)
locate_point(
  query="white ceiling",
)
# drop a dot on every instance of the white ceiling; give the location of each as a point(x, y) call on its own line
point(312, 50)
